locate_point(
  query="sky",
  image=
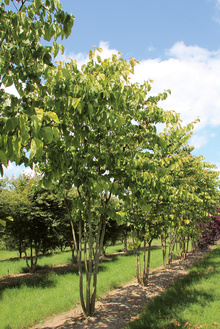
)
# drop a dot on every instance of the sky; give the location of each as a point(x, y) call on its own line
point(177, 43)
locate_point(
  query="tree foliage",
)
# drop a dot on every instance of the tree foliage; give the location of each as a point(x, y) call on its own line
point(37, 215)
point(23, 63)
point(210, 230)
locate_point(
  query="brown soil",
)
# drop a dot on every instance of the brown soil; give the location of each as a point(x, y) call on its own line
point(125, 303)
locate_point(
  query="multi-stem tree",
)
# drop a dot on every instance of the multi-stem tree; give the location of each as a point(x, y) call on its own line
point(91, 143)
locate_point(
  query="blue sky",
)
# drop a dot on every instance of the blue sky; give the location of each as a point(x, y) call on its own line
point(178, 45)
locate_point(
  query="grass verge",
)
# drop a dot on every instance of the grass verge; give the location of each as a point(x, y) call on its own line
point(192, 302)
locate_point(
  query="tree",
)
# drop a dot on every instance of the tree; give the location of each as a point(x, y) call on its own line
point(16, 203)
point(92, 143)
point(210, 230)
point(37, 214)
point(24, 62)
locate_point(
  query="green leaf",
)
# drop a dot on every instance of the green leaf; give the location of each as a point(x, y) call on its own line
point(37, 3)
point(17, 147)
point(120, 121)
point(74, 101)
point(55, 49)
point(48, 134)
point(2, 222)
point(90, 110)
point(3, 158)
point(48, 32)
point(146, 207)
point(9, 125)
point(61, 48)
point(68, 23)
point(36, 147)
point(53, 116)
point(56, 133)
point(39, 113)
point(91, 54)
point(7, 2)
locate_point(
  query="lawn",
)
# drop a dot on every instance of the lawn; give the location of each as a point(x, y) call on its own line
point(11, 266)
point(25, 304)
point(192, 302)
point(28, 303)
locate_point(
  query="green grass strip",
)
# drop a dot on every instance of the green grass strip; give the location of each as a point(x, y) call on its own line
point(192, 302)
point(26, 304)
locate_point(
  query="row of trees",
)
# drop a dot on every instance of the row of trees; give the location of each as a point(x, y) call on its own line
point(93, 129)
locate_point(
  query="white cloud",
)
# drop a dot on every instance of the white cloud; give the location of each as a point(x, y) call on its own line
point(198, 141)
point(192, 73)
point(218, 167)
point(13, 170)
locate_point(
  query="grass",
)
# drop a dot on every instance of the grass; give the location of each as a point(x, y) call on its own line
point(7, 254)
point(192, 302)
point(18, 265)
point(25, 304)
point(12, 266)
point(28, 303)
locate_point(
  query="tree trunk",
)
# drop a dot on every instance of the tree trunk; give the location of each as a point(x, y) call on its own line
point(91, 255)
point(171, 246)
point(125, 242)
point(99, 246)
point(144, 261)
point(138, 265)
point(183, 248)
point(187, 244)
point(164, 249)
point(147, 272)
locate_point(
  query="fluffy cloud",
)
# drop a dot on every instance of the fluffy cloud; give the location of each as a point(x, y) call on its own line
point(192, 73)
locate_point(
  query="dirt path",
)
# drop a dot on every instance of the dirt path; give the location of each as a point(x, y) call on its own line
point(123, 304)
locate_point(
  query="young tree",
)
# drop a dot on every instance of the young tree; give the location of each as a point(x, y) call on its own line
point(92, 143)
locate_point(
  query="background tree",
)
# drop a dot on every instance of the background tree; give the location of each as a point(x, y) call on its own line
point(37, 215)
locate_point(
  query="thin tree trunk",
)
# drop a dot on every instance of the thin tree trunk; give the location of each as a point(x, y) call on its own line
point(125, 242)
point(164, 250)
point(26, 259)
point(138, 265)
point(144, 260)
point(99, 247)
point(187, 245)
point(78, 254)
point(146, 278)
point(183, 251)
point(31, 255)
point(171, 245)
point(90, 260)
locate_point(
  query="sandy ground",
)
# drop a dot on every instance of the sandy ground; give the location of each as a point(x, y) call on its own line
point(123, 304)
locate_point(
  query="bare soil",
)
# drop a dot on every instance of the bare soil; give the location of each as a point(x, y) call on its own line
point(125, 303)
